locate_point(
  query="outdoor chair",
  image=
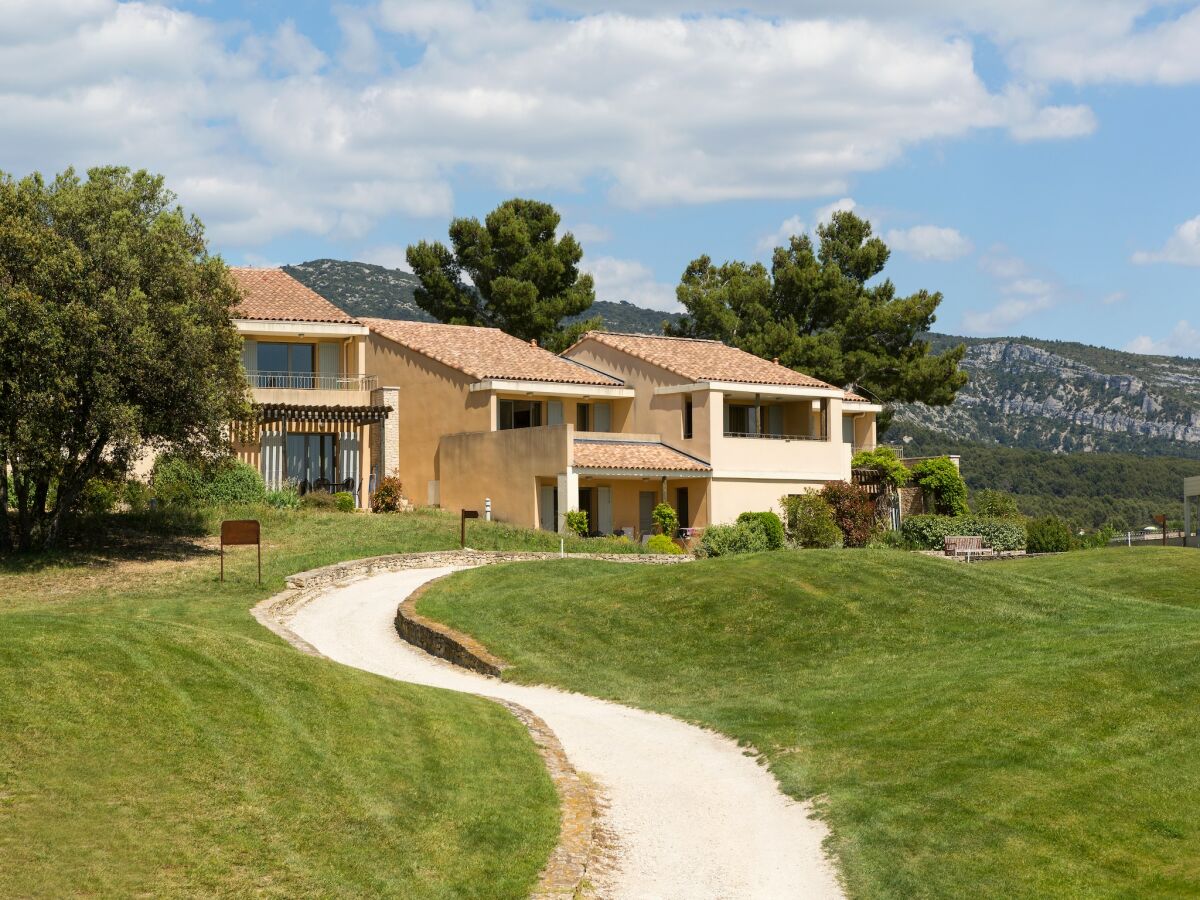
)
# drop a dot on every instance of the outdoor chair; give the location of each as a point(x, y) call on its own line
point(321, 484)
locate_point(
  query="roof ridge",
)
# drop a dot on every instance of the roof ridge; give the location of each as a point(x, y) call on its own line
point(660, 337)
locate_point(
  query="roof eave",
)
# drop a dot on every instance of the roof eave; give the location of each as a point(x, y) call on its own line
point(293, 327)
point(557, 388)
point(789, 390)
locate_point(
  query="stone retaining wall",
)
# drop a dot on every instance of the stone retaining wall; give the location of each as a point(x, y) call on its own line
point(444, 643)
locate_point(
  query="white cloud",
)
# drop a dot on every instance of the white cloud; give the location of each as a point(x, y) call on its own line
point(627, 279)
point(1182, 247)
point(1184, 340)
point(390, 256)
point(587, 233)
point(929, 242)
point(791, 227)
point(1022, 293)
point(1055, 122)
point(293, 52)
point(825, 213)
point(1113, 298)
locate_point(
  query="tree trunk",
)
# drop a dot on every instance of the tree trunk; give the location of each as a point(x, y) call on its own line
point(5, 526)
point(24, 520)
point(69, 491)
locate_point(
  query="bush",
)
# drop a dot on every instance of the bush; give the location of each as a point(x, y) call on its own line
point(1049, 534)
point(318, 500)
point(883, 460)
point(660, 543)
point(930, 532)
point(996, 505)
point(136, 495)
point(388, 496)
point(853, 512)
point(666, 519)
point(177, 481)
point(722, 540)
point(1098, 538)
point(810, 521)
point(577, 521)
point(229, 482)
point(284, 498)
point(344, 501)
point(943, 484)
point(772, 527)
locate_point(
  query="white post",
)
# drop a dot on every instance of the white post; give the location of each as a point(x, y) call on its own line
point(562, 548)
point(487, 509)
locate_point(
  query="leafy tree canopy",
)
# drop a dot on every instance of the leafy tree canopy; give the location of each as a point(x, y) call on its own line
point(115, 335)
point(510, 272)
point(814, 310)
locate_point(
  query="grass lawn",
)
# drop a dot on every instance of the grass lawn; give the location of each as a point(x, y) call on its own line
point(1020, 729)
point(155, 740)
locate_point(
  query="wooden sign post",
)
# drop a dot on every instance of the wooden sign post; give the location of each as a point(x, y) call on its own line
point(235, 532)
point(1162, 521)
point(462, 531)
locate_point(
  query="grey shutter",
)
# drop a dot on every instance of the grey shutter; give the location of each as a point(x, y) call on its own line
point(602, 417)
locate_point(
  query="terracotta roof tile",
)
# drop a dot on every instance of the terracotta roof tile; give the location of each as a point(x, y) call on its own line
point(487, 353)
point(703, 360)
point(851, 397)
point(274, 295)
point(641, 455)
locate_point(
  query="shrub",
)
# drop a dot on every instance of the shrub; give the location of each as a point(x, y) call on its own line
point(666, 519)
point(178, 481)
point(577, 521)
point(230, 482)
point(99, 496)
point(722, 540)
point(883, 460)
point(810, 521)
point(772, 527)
point(943, 484)
point(1098, 538)
point(930, 532)
point(1049, 534)
point(660, 543)
point(136, 495)
point(284, 498)
point(318, 500)
point(388, 496)
point(853, 512)
point(996, 505)
point(344, 501)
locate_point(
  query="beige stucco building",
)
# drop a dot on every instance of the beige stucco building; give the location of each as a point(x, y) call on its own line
point(468, 417)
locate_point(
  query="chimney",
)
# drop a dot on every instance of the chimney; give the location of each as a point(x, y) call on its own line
point(533, 342)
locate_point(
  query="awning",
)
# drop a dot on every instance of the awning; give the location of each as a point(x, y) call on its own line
point(297, 412)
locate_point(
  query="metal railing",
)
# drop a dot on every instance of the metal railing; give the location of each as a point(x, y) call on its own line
point(776, 437)
point(312, 381)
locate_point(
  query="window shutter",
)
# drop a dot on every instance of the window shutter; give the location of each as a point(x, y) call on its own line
point(554, 412)
point(250, 355)
point(602, 416)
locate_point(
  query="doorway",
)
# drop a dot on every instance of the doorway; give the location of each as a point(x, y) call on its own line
point(681, 506)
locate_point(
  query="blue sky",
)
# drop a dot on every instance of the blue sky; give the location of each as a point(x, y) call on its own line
point(1034, 162)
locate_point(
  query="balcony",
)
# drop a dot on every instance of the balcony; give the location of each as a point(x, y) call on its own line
point(776, 437)
point(310, 381)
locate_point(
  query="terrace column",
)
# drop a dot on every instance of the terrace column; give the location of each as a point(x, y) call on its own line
point(364, 466)
point(568, 497)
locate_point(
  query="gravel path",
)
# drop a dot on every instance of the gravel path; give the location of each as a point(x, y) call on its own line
point(689, 814)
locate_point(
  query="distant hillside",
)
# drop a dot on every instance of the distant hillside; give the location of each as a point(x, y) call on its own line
point(364, 289)
point(1063, 396)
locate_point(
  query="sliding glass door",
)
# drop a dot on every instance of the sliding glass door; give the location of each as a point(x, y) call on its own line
point(311, 458)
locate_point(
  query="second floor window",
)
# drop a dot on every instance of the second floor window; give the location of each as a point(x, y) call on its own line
point(687, 418)
point(289, 359)
point(518, 414)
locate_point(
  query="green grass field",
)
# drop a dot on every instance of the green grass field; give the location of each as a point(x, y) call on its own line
point(1022, 729)
point(156, 741)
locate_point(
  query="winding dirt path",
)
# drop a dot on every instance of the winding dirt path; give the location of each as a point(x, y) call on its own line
point(690, 815)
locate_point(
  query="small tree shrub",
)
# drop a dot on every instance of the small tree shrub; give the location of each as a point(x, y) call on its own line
point(943, 485)
point(1049, 534)
point(229, 482)
point(930, 532)
point(722, 540)
point(772, 527)
point(344, 501)
point(136, 495)
point(666, 519)
point(178, 481)
point(286, 497)
point(660, 543)
point(1098, 538)
point(883, 460)
point(810, 521)
point(996, 505)
point(318, 500)
point(853, 512)
point(577, 521)
point(388, 496)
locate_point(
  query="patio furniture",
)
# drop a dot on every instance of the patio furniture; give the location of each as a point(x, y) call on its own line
point(321, 484)
point(967, 546)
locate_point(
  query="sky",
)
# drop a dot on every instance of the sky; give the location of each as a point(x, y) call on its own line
point(1035, 162)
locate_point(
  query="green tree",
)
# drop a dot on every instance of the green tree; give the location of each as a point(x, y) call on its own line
point(996, 504)
point(814, 310)
point(510, 272)
point(115, 335)
point(943, 485)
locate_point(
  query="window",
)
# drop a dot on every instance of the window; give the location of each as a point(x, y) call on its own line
point(310, 457)
point(740, 420)
point(687, 418)
point(285, 365)
point(518, 414)
point(583, 417)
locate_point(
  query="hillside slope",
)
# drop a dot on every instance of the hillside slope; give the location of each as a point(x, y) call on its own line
point(365, 289)
point(1063, 396)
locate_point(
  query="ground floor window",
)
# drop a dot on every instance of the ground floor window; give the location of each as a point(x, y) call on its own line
point(312, 460)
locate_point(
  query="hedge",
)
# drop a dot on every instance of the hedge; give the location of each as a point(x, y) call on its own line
point(930, 532)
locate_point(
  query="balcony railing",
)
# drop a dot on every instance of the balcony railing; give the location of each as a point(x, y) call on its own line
point(776, 437)
point(312, 381)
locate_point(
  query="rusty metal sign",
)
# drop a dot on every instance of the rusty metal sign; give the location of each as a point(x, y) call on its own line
point(462, 531)
point(237, 532)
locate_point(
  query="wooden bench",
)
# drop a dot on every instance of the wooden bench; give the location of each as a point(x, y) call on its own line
point(968, 545)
